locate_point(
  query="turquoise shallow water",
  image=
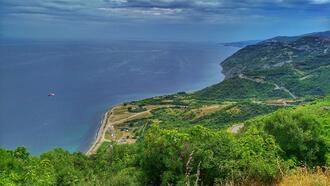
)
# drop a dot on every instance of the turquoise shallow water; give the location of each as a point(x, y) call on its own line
point(88, 78)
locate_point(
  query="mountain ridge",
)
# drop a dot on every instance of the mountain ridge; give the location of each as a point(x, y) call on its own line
point(287, 51)
point(293, 38)
point(299, 67)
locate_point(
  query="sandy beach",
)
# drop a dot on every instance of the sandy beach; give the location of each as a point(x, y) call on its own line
point(100, 134)
point(113, 118)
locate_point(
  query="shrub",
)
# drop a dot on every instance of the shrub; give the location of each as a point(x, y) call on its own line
point(299, 136)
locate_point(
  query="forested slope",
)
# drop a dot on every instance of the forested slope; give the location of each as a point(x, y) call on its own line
point(279, 67)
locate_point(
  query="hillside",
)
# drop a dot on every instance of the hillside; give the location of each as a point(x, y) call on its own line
point(276, 68)
point(241, 44)
point(275, 53)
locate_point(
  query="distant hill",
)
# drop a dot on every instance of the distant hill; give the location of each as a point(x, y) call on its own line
point(325, 34)
point(296, 66)
point(321, 34)
point(241, 44)
point(277, 52)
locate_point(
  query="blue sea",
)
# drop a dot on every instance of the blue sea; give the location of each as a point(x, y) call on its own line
point(88, 78)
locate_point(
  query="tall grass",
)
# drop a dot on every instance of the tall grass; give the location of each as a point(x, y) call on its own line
point(303, 177)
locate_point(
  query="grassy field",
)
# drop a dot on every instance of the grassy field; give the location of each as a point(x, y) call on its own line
point(185, 110)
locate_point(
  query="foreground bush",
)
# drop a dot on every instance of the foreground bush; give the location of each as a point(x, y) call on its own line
point(299, 135)
point(178, 157)
point(207, 157)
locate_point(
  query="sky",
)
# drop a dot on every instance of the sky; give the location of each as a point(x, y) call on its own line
point(161, 20)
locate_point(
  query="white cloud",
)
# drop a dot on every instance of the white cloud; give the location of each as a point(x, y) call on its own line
point(141, 12)
point(320, 1)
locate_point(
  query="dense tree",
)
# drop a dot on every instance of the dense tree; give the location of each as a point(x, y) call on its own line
point(172, 157)
point(299, 136)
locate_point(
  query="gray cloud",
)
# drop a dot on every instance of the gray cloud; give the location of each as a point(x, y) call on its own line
point(155, 9)
point(161, 19)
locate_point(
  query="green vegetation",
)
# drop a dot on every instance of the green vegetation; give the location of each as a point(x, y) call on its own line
point(266, 150)
point(207, 113)
point(136, 109)
point(237, 89)
point(298, 64)
point(305, 53)
point(233, 113)
point(299, 136)
point(207, 156)
point(302, 133)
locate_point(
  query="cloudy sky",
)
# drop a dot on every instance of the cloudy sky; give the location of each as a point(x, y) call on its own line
point(185, 20)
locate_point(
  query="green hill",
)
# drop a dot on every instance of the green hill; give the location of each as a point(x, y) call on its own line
point(295, 67)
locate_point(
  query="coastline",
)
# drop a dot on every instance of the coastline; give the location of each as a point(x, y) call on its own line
point(111, 118)
point(117, 115)
point(99, 138)
point(105, 123)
